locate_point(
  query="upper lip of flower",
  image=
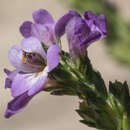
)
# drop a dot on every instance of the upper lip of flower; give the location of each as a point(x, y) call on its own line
point(44, 27)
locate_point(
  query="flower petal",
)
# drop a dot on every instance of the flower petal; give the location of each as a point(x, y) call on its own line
point(45, 33)
point(77, 30)
point(7, 71)
point(96, 23)
point(27, 82)
point(32, 44)
point(53, 57)
point(25, 29)
point(89, 15)
point(15, 56)
point(42, 17)
point(39, 82)
point(62, 22)
point(8, 83)
point(21, 83)
point(101, 23)
point(17, 104)
point(92, 37)
point(9, 79)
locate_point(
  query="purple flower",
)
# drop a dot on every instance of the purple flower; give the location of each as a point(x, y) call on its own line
point(81, 32)
point(32, 67)
point(44, 27)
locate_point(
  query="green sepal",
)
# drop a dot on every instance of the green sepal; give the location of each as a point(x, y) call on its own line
point(99, 117)
point(125, 122)
point(45, 47)
point(88, 123)
point(120, 93)
point(93, 77)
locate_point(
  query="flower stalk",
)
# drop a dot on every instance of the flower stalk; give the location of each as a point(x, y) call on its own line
point(99, 107)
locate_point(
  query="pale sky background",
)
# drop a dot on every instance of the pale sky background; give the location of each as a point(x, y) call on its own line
point(47, 112)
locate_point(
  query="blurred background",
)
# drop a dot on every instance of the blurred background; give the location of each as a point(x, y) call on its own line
point(111, 57)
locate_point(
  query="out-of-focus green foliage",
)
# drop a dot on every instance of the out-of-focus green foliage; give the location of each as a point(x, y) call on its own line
point(118, 39)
